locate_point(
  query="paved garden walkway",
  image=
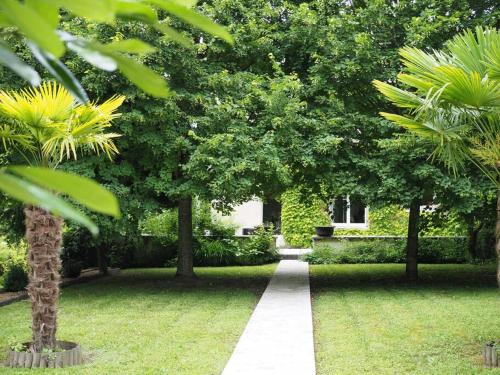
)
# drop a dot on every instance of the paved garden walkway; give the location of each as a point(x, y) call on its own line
point(278, 338)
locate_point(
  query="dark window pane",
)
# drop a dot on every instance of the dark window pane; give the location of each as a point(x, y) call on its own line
point(357, 211)
point(340, 210)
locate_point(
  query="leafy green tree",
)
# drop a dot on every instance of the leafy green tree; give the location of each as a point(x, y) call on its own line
point(351, 44)
point(48, 43)
point(454, 103)
point(45, 126)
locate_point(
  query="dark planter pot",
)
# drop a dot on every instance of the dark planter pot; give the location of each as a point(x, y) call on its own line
point(248, 231)
point(70, 355)
point(324, 231)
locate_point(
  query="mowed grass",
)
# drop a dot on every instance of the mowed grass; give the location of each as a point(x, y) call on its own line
point(146, 322)
point(369, 321)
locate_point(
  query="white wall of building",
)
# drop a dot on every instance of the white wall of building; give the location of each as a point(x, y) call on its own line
point(246, 215)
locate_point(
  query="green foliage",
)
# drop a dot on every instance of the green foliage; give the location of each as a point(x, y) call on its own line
point(439, 223)
point(163, 225)
point(48, 44)
point(256, 249)
point(431, 250)
point(259, 248)
point(210, 252)
point(15, 276)
point(299, 217)
point(445, 85)
point(392, 220)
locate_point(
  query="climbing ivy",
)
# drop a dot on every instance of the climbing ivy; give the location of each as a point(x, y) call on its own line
point(299, 216)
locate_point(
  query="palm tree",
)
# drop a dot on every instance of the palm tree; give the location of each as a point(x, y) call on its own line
point(46, 126)
point(453, 100)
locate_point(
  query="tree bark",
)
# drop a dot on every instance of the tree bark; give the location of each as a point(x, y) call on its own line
point(497, 237)
point(185, 252)
point(473, 234)
point(44, 236)
point(101, 261)
point(412, 242)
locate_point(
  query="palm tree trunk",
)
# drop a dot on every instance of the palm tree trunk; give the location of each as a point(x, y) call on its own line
point(44, 236)
point(185, 253)
point(497, 237)
point(412, 242)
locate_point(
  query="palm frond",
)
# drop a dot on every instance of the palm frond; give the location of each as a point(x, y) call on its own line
point(10, 138)
point(397, 96)
point(49, 118)
point(469, 89)
point(469, 49)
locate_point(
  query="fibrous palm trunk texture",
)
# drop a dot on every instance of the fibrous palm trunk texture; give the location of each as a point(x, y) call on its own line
point(44, 236)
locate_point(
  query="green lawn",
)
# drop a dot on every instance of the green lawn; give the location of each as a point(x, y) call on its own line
point(368, 321)
point(145, 322)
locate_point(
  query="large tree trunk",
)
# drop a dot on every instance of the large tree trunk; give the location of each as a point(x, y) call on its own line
point(473, 233)
point(497, 237)
point(412, 242)
point(185, 252)
point(44, 236)
point(101, 260)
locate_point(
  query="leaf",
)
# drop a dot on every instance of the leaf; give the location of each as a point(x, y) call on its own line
point(130, 46)
point(33, 26)
point(61, 73)
point(135, 11)
point(88, 52)
point(145, 78)
point(29, 193)
point(194, 18)
point(173, 34)
point(10, 60)
point(96, 10)
point(397, 96)
point(84, 190)
point(46, 10)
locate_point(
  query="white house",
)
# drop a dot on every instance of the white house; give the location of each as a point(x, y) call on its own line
point(346, 214)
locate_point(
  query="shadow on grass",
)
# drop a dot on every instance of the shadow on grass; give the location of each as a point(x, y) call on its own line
point(387, 276)
point(154, 281)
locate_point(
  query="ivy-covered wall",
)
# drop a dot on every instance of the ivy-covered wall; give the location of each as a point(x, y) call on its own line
point(298, 220)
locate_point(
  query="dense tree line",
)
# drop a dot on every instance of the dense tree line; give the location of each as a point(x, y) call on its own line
point(291, 103)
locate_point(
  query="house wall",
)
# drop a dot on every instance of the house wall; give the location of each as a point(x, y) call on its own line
point(246, 215)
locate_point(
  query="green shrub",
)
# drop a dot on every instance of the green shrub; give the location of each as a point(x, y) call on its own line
point(163, 225)
point(214, 252)
point(259, 248)
point(486, 243)
point(431, 250)
point(253, 250)
point(15, 269)
point(16, 277)
point(299, 218)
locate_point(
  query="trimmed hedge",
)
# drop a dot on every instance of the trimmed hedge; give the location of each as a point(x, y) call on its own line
point(431, 250)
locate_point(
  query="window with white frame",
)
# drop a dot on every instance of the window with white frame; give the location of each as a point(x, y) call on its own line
point(348, 212)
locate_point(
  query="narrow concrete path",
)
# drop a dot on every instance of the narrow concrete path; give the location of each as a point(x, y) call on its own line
point(278, 338)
